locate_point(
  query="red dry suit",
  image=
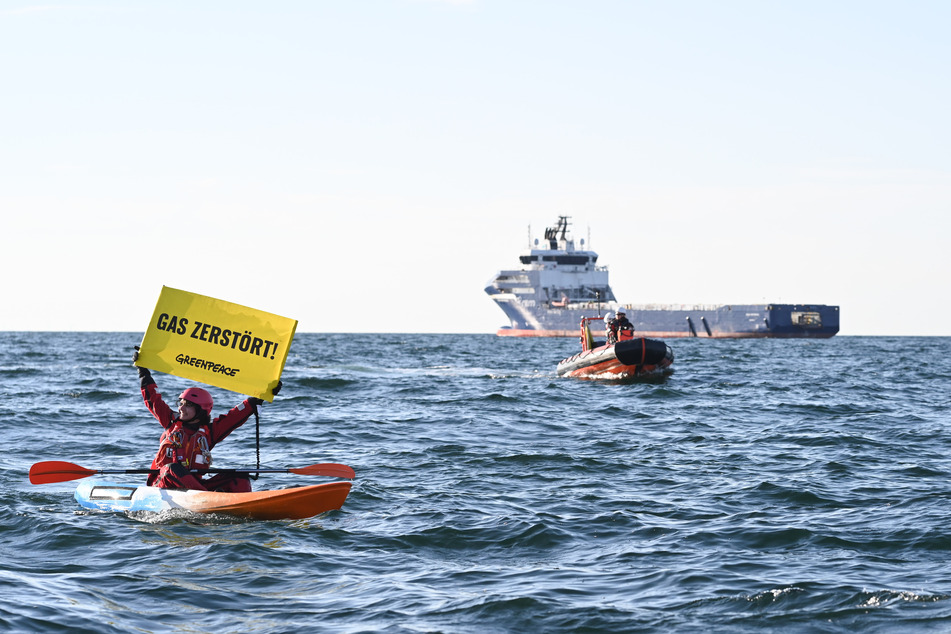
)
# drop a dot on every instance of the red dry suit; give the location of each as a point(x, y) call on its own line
point(191, 447)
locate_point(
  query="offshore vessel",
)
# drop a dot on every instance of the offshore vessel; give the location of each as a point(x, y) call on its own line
point(558, 285)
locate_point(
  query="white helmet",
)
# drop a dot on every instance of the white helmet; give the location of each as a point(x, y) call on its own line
point(621, 311)
point(608, 317)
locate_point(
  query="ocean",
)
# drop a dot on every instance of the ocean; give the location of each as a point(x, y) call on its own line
point(763, 486)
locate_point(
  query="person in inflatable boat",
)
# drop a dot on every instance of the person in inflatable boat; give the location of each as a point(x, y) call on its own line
point(623, 328)
point(610, 327)
point(189, 436)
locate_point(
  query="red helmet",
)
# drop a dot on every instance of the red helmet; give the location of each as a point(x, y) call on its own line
point(199, 397)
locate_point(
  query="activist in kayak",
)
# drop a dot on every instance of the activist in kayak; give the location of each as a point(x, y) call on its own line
point(190, 436)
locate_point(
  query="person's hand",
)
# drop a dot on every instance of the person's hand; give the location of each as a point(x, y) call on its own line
point(144, 375)
point(277, 388)
point(254, 401)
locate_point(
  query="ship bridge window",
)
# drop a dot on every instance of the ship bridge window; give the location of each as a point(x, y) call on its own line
point(527, 259)
point(807, 320)
point(572, 259)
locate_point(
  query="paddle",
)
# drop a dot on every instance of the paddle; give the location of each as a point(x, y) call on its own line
point(57, 471)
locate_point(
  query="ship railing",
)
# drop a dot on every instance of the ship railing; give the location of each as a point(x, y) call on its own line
point(694, 307)
point(576, 303)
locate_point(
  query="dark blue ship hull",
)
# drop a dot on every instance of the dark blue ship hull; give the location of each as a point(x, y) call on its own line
point(727, 321)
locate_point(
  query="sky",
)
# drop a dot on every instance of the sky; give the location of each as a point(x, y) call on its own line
point(369, 166)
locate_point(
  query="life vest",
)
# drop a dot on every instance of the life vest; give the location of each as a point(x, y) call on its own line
point(192, 450)
point(625, 329)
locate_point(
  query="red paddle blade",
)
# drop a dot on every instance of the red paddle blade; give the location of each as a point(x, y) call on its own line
point(326, 469)
point(56, 471)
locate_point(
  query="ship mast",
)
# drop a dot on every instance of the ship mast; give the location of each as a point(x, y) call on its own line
point(551, 233)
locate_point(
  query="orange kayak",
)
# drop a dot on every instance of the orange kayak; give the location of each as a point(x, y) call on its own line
point(277, 504)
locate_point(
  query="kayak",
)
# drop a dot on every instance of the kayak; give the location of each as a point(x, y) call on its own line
point(277, 504)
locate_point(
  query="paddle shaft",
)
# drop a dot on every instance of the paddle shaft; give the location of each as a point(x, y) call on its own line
point(128, 471)
point(57, 471)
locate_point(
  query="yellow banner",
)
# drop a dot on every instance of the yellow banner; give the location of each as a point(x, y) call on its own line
point(217, 343)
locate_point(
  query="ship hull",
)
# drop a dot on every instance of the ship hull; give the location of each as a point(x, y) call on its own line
point(737, 321)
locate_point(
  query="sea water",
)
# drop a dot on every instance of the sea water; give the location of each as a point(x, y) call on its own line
point(768, 485)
